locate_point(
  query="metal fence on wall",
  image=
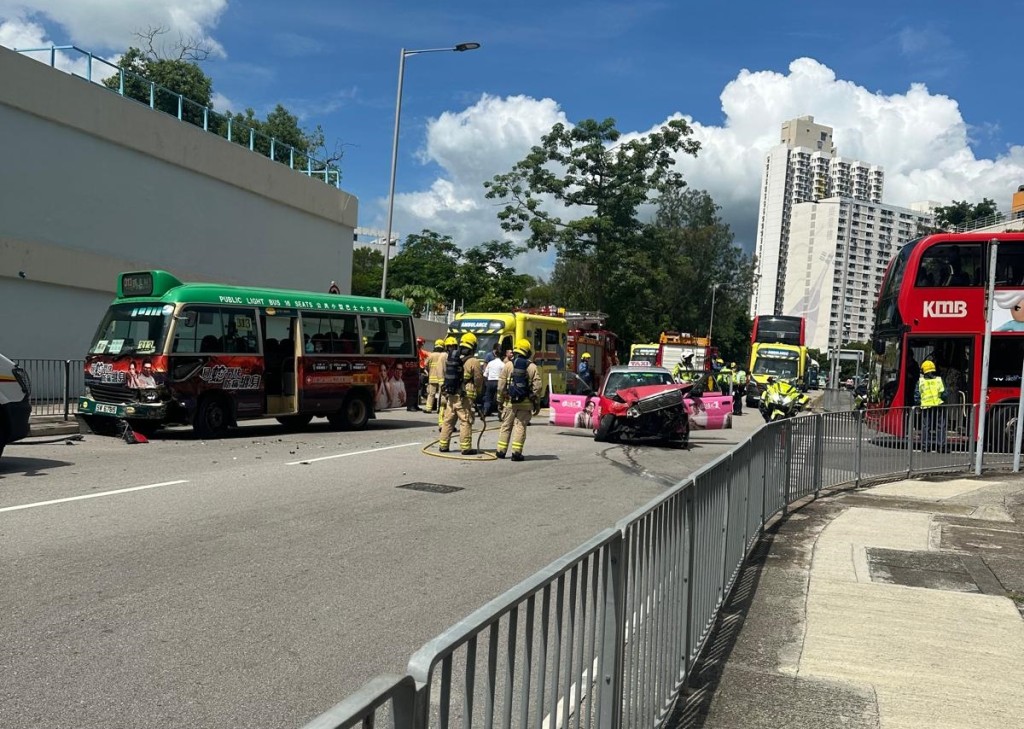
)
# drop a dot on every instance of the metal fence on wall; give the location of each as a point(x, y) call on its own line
point(160, 98)
point(56, 385)
point(606, 636)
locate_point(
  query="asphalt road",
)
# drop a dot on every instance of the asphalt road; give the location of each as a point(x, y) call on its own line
point(259, 579)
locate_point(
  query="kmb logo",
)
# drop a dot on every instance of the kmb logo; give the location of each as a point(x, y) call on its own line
point(945, 309)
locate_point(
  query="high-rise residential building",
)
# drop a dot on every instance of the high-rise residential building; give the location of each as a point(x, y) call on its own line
point(803, 167)
point(839, 248)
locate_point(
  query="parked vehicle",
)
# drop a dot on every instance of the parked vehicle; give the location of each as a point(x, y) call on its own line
point(15, 408)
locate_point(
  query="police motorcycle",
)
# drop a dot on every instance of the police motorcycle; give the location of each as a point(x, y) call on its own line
point(781, 400)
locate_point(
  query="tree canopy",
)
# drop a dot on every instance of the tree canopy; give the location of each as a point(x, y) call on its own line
point(961, 213)
point(649, 276)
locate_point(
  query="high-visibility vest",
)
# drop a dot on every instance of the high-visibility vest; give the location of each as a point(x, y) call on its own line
point(741, 377)
point(931, 390)
point(725, 375)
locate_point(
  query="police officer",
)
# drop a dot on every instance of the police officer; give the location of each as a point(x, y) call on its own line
point(683, 371)
point(725, 379)
point(930, 395)
point(519, 389)
point(435, 374)
point(586, 374)
point(739, 386)
point(463, 379)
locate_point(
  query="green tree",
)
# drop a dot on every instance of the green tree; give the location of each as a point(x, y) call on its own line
point(961, 213)
point(600, 182)
point(417, 298)
point(367, 271)
point(170, 77)
point(609, 183)
point(697, 255)
point(427, 259)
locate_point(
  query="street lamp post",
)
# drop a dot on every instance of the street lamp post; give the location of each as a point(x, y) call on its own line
point(461, 47)
point(711, 324)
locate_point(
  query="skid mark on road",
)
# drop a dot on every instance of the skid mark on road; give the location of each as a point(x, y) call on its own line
point(91, 496)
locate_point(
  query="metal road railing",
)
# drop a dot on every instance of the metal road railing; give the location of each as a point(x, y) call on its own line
point(606, 636)
point(56, 385)
point(160, 98)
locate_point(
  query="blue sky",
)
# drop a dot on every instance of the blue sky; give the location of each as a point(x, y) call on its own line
point(467, 116)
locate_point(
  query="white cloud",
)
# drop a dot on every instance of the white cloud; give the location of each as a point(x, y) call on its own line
point(472, 146)
point(26, 34)
point(107, 26)
point(919, 137)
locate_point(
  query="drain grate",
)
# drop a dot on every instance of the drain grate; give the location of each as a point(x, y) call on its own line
point(430, 488)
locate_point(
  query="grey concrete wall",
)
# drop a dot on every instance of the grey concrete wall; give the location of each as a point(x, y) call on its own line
point(92, 184)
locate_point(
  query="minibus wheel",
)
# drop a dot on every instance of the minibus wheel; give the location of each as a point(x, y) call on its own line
point(295, 422)
point(212, 418)
point(354, 413)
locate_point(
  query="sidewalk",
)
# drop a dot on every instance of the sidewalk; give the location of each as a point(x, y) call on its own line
point(894, 606)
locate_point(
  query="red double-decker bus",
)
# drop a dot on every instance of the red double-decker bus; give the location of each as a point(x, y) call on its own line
point(775, 329)
point(932, 305)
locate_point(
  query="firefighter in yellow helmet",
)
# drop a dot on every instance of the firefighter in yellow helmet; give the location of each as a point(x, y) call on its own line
point(463, 379)
point(435, 374)
point(519, 391)
point(450, 345)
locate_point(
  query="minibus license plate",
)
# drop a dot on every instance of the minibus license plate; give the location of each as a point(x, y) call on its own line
point(108, 409)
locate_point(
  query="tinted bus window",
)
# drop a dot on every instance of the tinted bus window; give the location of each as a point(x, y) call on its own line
point(1005, 363)
point(211, 329)
point(951, 264)
point(779, 329)
point(330, 333)
point(1010, 264)
point(386, 335)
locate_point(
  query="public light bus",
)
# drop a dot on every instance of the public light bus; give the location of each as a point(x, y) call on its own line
point(547, 333)
point(932, 305)
point(209, 355)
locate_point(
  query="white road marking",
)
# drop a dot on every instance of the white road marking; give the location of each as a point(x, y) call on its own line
point(346, 455)
point(92, 496)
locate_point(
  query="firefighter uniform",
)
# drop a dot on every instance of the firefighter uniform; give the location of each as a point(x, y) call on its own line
point(460, 390)
point(435, 374)
point(515, 416)
point(451, 346)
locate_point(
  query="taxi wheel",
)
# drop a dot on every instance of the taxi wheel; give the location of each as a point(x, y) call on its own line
point(212, 418)
point(604, 429)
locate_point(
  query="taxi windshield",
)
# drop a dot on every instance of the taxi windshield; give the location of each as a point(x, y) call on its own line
point(624, 380)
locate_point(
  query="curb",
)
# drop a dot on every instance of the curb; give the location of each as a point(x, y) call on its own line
point(38, 430)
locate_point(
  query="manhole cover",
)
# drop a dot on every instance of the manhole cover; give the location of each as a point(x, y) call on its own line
point(430, 488)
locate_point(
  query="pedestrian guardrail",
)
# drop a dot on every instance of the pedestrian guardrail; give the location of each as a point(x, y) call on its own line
point(160, 98)
point(56, 385)
point(606, 636)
